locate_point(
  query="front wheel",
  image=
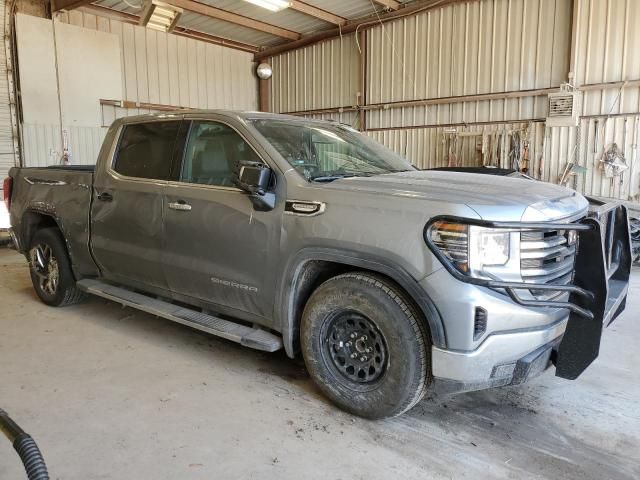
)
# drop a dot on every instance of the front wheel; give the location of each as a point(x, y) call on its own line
point(366, 346)
point(50, 269)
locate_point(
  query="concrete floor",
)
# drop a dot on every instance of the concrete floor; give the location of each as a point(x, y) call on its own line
point(111, 393)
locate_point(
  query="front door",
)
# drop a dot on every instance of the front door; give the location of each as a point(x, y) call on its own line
point(127, 209)
point(218, 249)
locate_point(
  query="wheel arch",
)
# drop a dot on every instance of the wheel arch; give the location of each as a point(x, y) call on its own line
point(34, 220)
point(311, 267)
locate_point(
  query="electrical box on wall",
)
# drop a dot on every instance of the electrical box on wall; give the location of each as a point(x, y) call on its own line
point(564, 108)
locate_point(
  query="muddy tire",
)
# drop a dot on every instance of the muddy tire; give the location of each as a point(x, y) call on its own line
point(50, 269)
point(366, 345)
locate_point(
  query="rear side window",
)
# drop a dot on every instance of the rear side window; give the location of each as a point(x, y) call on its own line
point(146, 150)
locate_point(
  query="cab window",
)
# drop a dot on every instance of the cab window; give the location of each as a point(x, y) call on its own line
point(146, 150)
point(213, 153)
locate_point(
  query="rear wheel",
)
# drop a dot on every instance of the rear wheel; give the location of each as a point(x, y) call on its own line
point(365, 345)
point(50, 269)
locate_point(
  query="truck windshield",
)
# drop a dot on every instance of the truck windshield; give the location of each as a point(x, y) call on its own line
point(324, 152)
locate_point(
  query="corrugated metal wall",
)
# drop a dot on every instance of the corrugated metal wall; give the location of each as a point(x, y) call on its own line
point(7, 151)
point(7, 146)
point(324, 75)
point(469, 48)
point(157, 68)
point(607, 42)
point(485, 47)
point(167, 69)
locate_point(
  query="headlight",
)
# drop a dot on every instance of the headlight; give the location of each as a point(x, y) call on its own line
point(471, 249)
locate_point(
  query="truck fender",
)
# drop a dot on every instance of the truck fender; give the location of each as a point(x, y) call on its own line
point(28, 229)
point(288, 309)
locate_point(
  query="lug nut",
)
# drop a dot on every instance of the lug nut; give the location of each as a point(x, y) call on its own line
point(354, 355)
point(364, 337)
point(353, 335)
point(363, 359)
point(348, 344)
point(368, 350)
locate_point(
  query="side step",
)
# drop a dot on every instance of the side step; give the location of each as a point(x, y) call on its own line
point(246, 336)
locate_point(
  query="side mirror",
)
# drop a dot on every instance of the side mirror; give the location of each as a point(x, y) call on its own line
point(255, 178)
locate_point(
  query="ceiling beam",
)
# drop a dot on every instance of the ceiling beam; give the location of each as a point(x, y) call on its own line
point(68, 4)
point(180, 31)
point(413, 9)
point(390, 4)
point(316, 12)
point(202, 9)
point(219, 14)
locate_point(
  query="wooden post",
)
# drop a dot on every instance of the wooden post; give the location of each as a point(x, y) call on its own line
point(263, 95)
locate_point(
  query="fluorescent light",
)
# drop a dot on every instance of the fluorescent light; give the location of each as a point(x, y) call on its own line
point(273, 5)
point(160, 16)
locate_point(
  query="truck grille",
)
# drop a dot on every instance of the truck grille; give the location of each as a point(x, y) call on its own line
point(546, 258)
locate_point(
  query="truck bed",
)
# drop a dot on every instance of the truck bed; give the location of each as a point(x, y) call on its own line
point(59, 193)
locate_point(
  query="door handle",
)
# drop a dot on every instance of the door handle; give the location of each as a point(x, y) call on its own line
point(180, 205)
point(105, 196)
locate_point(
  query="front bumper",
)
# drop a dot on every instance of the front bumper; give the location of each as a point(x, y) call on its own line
point(502, 359)
point(596, 297)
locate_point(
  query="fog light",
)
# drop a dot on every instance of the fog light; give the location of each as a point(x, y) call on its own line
point(503, 371)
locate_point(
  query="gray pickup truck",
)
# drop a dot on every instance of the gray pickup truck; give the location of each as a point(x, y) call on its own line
point(282, 232)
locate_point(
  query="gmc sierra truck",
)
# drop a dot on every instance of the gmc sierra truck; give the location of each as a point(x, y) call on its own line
point(282, 232)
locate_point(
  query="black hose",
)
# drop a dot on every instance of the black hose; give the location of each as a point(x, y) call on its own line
point(26, 447)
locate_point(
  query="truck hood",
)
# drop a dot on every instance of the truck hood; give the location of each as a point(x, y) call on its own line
point(493, 197)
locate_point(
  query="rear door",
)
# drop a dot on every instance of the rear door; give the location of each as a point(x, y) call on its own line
point(127, 210)
point(218, 249)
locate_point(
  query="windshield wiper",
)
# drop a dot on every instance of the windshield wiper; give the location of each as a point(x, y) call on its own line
point(332, 177)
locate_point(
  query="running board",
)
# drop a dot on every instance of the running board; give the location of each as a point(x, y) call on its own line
point(246, 336)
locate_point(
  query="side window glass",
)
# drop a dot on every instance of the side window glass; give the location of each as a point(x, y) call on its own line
point(212, 154)
point(146, 149)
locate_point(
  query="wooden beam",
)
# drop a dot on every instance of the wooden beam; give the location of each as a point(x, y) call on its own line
point(263, 95)
point(180, 31)
point(390, 4)
point(224, 15)
point(413, 9)
point(316, 12)
point(57, 5)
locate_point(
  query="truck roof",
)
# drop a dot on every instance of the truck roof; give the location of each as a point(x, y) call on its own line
point(237, 114)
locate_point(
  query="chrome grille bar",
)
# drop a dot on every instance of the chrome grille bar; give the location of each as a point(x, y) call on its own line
point(546, 257)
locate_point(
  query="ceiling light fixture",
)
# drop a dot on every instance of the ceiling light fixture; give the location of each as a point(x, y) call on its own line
point(272, 5)
point(160, 16)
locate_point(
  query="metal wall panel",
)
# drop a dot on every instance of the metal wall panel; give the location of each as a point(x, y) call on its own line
point(479, 47)
point(172, 70)
point(593, 138)
point(7, 145)
point(323, 75)
point(469, 48)
point(43, 145)
point(157, 68)
point(435, 147)
point(7, 148)
point(607, 42)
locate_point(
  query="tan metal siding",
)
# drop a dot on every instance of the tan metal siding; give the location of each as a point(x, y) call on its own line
point(438, 147)
point(469, 48)
point(323, 75)
point(607, 46)
point(488, 46)
point(157, 68)
point(7, 147)
point(171, 70)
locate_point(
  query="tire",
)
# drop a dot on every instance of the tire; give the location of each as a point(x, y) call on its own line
point(376, 321)
point(50, 269)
